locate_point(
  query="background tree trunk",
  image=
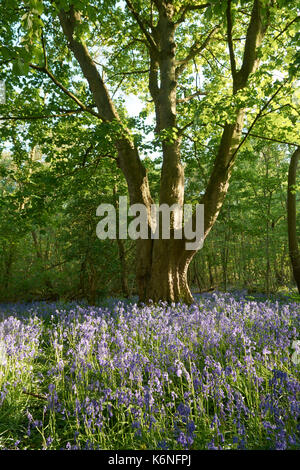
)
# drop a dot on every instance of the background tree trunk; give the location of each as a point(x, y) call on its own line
point(8, 265)
point(291, 213)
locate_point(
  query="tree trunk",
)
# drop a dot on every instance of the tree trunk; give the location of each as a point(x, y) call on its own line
point(162, 264)
point(291, 212)
point(167, 279)
point(42, 260)
point(82, 275)
point(209, 267)
point(8, 266)
point(200, 280)
point(123, 270)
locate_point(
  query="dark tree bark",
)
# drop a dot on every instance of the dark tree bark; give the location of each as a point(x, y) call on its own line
point(43, 261)
point(82, 277)
point(291, 216)
point(8, 266)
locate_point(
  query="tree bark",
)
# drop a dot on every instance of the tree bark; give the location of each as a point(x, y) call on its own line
point(162, 264)
point(168, 280)
point(42, 260)
point(291, 216)
point(8, 265)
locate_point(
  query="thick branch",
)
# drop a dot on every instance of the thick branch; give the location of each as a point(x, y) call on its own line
point(103, 102)
point(194, 51)
point(218, 184)
point(229, 39)
point(128, 156)
point(254, 36)
point(153, 86)
point(287, 27)
point(131, 72)
point(143, 28)
point(292, 217)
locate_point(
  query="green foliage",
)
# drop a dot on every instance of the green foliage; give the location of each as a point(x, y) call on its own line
point(169, 135)
point(55, 169)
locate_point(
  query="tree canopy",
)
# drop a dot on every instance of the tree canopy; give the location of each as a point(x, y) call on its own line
point(214, 80)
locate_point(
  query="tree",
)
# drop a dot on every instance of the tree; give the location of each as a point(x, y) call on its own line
point(291, 213)
point(160, 41)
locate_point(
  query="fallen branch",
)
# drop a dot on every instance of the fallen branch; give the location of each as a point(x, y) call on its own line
point(35, 395)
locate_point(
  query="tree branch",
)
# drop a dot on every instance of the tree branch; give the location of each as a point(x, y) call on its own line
point(255, 32)
point(183, 11)
point(99, 91)
point(128, 157)
point(292, 216)
point(256, 119)
point(82, 167)
point(194, 51)
point(218, 183)
point(146, 33)
point(287, 26)
point(153, 86)
point(64, 89)
point(229, 39)
point(44, 50)
point(270, 139)
point(188, 98)
point(131, 72)
point(41, 116)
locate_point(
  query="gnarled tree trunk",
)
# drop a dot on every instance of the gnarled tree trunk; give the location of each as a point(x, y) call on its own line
point(162, 264)
point(291, 213)
point(168, 279)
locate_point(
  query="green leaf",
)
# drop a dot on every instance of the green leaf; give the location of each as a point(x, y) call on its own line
point(20, 67)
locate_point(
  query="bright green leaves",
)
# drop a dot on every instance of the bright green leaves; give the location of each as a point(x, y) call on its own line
point(215, 11)
point(116, 42)
point(36, 6)
point(284, 3)
point(31, 21)
point(295, 188)
point(20, 58)
point(29, 47)
point(5, 52)
point(294, 68)
point(20, 64)
point(20, 67)
point(216, 7)
point(169, 135)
